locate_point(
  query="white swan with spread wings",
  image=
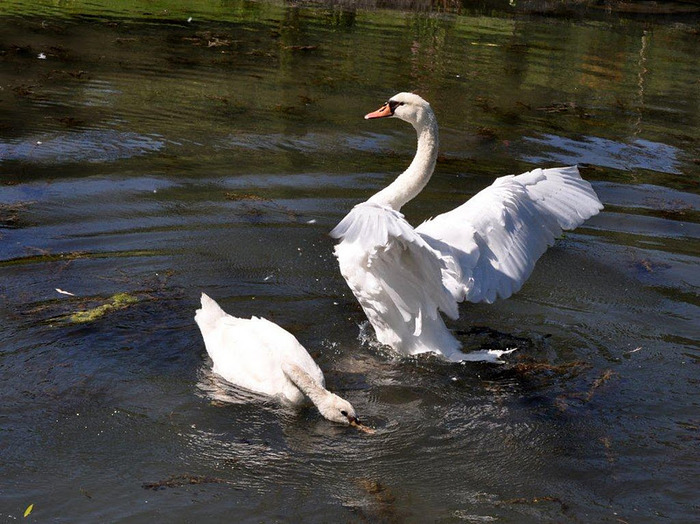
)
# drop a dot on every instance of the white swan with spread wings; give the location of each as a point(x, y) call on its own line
point(480, 251)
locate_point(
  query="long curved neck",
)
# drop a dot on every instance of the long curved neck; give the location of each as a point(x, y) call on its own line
point(412, 181)
point(305, 383)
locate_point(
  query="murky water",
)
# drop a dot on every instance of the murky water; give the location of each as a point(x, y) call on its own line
point(142, 152)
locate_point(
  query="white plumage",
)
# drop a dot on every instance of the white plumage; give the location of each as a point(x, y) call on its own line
point(482, 250)
point(260, 356)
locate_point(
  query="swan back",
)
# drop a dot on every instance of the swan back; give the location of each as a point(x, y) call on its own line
point(252, 353)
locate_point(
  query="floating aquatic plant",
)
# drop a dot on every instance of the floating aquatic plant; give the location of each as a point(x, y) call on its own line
point(118, 301)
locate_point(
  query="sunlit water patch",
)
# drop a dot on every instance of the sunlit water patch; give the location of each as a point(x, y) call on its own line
point(639, 154)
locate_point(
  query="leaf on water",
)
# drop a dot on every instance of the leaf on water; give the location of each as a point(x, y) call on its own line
point(28, 510)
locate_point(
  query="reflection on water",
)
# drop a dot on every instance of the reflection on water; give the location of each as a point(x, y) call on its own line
point(639, 154)
point(142, 151)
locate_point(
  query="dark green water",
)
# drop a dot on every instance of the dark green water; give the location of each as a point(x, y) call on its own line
point(144, 153)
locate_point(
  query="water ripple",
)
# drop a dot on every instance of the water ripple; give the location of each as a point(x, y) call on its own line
point(93, 146)
point(640, 154)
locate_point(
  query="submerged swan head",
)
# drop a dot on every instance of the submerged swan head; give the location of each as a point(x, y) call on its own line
point(337, 409)
point(408, 107)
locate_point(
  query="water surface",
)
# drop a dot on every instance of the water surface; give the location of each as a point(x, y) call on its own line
point(165, 150)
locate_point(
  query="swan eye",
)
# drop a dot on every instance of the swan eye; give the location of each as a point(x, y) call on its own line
point(393, 104)
point(343, 412)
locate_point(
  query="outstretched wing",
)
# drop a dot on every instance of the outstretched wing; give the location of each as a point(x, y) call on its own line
point(490, 244)
point(390, 268)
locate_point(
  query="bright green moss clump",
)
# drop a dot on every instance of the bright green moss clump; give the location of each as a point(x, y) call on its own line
point(118, 301)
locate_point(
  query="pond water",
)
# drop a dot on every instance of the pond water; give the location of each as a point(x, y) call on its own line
point(162, 149)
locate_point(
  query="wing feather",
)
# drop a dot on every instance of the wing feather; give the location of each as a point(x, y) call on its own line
point(491, 242)
point(382, 257)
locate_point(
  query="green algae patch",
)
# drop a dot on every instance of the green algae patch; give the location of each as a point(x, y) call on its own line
point(118, 301)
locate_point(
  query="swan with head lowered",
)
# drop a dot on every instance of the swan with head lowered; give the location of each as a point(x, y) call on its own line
point(484, 249)
point(260, 356)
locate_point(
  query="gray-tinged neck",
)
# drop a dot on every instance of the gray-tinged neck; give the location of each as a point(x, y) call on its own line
point(412, 181)
point(305, 383)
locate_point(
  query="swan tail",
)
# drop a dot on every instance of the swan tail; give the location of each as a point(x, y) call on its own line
point(209, 314)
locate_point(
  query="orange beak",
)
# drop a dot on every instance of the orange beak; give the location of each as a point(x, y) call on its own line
point(382, 112)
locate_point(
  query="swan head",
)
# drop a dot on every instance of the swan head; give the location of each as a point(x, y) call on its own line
point(408, 107)
point(338, 410)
